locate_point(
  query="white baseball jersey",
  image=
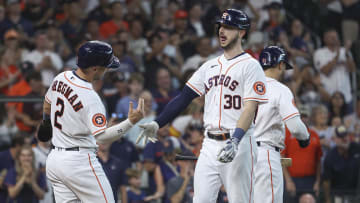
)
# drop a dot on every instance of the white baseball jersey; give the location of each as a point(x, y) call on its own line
point(77, 112)
point(226, 85)
point(270, 118)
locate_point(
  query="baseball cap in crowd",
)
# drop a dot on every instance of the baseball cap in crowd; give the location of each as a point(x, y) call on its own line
point(341, 131)
point(11, 34)
point(180, 14)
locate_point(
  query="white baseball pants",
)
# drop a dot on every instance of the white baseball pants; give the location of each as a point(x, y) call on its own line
point(77, 176)
point(237, 176)
point(269, 182)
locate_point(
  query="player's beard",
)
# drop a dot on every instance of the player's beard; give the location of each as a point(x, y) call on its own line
point(231, 44)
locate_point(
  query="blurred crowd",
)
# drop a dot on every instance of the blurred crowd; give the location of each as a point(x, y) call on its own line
point(160, 43)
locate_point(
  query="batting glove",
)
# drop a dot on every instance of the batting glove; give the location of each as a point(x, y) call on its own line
point(148, 133)
point(228, 153)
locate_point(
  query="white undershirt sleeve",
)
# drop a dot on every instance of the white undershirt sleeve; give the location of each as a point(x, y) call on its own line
point(114, 132)
point(297, 128)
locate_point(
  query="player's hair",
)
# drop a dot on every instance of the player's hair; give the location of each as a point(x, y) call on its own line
point(136, 77)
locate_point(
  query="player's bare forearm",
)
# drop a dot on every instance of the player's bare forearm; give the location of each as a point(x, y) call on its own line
point(46, 108)
point(247, 115)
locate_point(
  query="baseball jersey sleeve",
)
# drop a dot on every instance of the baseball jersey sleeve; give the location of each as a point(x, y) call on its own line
point(196, 82)
point(95, 118)
point(255, 83)
point(287, 108)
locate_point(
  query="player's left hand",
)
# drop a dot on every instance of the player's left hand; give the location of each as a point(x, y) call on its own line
point(228, 153)
point(137, 114)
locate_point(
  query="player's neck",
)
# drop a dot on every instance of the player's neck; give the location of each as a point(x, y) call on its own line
point(272, 74)
point(83, 76)
point(233, 52)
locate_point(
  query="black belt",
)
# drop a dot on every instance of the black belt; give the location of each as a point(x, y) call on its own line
point(68, 149)
point(222, 136)
point(276, 148)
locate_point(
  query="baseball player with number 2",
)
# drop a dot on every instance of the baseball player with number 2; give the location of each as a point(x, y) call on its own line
point(74, 117)
point(233, 85)
point(269, 127)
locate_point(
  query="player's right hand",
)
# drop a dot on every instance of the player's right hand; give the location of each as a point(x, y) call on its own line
point(137, 114)
point(149, 132)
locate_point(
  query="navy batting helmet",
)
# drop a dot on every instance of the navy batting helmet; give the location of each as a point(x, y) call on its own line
point(96, 53)
point(235, 18)
point(273, 55)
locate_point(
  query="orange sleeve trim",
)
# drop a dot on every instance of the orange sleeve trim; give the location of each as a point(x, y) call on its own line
point(47, 99)
point(291, 115)
point(94, 133)
point(194, 88)
point(75, 84)
point(93, 170)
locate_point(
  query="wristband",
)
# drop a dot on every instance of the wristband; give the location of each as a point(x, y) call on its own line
point(238, 134)
point(46, 116)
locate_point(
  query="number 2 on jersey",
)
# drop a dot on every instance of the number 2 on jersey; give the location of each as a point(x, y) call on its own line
point(232, 101)
point(59, 113)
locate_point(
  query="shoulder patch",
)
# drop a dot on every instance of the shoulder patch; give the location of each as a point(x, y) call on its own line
point(99, 120)
point(259, 88)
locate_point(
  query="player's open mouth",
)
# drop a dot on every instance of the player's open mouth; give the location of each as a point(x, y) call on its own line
point(222, 38)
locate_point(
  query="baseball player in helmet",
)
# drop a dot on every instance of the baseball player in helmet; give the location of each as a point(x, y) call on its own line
point(270, 130)
point(233, 85)
point(74, 118)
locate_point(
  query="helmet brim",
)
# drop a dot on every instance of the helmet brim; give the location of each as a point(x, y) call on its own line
point(114, 62)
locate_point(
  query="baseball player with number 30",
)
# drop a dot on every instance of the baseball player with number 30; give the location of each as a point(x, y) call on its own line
point(269, 127)
point(74, 117)
point(233, 85)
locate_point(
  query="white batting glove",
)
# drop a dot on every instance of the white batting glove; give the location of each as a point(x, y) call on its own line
point(228, 153)
point(149, 132)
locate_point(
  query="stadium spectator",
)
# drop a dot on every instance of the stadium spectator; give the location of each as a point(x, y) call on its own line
point(41, 152)
point(25, 183)
point(47, 62)
point(137, 43)
point(337, 106)
point(195, 24)
point(38, 12)
point(274, 25)
point(307, 198)
point(74, 25)
point(136, 86)
point(14, 20)
point(255, 44)
point(24, 122)
point(115, 87)
point(114, 169)
point(341, 168)
point(203, 53)
point(8, 128)
point(102, 12)
point(93, 30)
point(109, 28)
point(334, 63)
point(134, 192)
point(180, 188)
point(57, 41)
point(164, 92)
point(352, 121)
point(303, 176)
point(7, 158)
point(320, 125)
point(149, 116)
point(127, 64)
